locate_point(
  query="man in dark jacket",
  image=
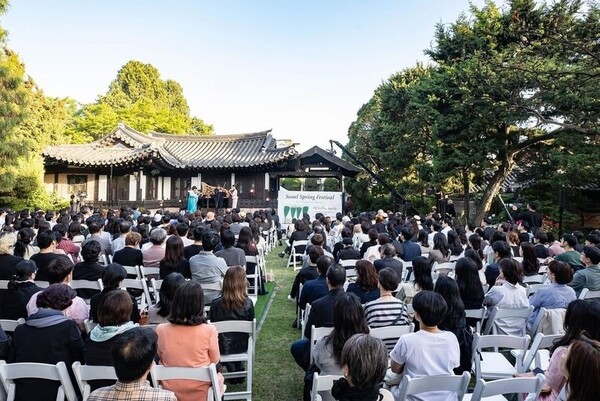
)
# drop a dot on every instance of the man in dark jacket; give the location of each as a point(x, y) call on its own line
point(388, 259)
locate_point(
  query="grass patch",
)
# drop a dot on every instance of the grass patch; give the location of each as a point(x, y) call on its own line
point(276, 375)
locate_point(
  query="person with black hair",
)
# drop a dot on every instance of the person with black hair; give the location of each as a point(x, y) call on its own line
point(196, 247)
point(387, 310)
point(112, 277)
point(160, 312)
point(306, 273)
point(501, 250)
point(119, 242)
point(422, 280)
point(20, 289)
point(206, 267)
point(48, 325)
point(540, 239)
point(233, 255)
point(348, 319)
point(321, 314)
point(89, 269)
point(130, 255)
point(410, 249)
point(47, 243)
point(531, 216)
point(174, 260)
point(469, 283)
point(590, 276)
point(97, 234)
point(317, 288)
point(65, 243)
point(188, 340)
point(440, 347)
point(133, 355)
point(455, 321)
point(508, 293)
point(558, 295)
point(440, 252)
point(570, 255)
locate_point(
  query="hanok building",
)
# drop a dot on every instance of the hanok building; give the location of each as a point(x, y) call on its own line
point(154, 170)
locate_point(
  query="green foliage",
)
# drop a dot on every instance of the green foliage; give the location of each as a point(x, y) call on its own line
point(311, 184)
point(511, 86)
point(140, 98)
point(291, 184)
point(331, 185)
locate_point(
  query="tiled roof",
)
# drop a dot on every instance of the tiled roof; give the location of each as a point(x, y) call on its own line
point(126, 146)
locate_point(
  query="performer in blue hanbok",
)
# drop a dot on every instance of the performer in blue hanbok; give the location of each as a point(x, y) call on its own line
point(192, 203)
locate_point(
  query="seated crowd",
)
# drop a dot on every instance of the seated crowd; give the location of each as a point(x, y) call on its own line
point(401, 273)
point(41, 259)
point(437, 271)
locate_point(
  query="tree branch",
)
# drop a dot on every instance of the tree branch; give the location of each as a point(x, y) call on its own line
point(566, 126)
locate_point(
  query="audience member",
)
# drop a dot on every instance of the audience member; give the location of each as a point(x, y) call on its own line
point(589, 277)
point(365, 283)
point(20, 290)
point(130, 255)
point(233, 304)
point(174, 260)
point(422, 280)
point(206, 267)
point(387, 310)
point(188, 340)
point(133, 356)
point(159, 313)
point(112, 277)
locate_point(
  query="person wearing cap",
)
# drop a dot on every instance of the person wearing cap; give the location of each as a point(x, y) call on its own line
point(590, 276)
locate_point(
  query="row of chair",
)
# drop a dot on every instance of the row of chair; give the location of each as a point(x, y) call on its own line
point(83, 373)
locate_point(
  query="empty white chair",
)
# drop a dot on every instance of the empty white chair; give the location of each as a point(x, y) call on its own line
point(494, 365)
point(254, 279)
point(520, 385)
point(28, 370)
point(240, 326)
point(85, 373)
point(419, 385)
point(322, 384)
point(203, 373)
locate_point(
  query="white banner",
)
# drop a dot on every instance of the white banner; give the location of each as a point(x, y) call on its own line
point(293, 204)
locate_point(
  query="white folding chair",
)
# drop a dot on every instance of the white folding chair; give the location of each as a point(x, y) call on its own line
point(216, 286)
point(443, 268)
point(304, 320)
point(587, 294)
point(133, 271)
point(549, 321)
point(532, 288)
point(29, 370)
point(538, 353)
point(89, 325)
point(4, 284)
point(42, 284)
point(254, 285)
point(535, 279)
point(386, 395)
point(316, 333)
point(149, 272)
point(516, 317)
point(138, 284)
point(155, 285)
point(390, 334)
point(478, 314)
point(348, 263)
point(203, 373)
point(85, 373)
point(87, 285)
point(240, 326)
point(493, 390)
point(494, 365)
point(10, 326)
point(296, 254)
point(322, 384)
point(419, 385)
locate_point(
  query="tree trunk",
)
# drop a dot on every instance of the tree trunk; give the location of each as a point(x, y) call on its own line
point(466, 207)
point(494, 186)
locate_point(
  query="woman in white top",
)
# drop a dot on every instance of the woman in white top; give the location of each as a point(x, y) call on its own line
point(508, 293)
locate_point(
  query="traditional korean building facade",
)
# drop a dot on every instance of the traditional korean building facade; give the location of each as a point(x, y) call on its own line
point(155, 170)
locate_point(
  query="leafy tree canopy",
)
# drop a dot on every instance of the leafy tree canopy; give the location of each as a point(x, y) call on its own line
point(140, 98)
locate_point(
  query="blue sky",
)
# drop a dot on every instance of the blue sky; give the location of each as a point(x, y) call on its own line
point(302, 68)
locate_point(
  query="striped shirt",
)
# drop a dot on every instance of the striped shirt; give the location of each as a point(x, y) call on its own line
point(386, 311)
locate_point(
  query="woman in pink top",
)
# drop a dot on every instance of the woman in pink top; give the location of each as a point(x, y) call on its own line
point(188, 341)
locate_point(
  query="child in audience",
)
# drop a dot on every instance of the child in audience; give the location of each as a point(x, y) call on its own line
point(428, 352)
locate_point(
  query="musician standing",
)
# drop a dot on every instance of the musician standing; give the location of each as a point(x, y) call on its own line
point(192, 203)
point(234, 196)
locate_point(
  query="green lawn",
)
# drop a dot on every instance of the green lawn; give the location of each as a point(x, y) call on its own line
point(276, 375)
